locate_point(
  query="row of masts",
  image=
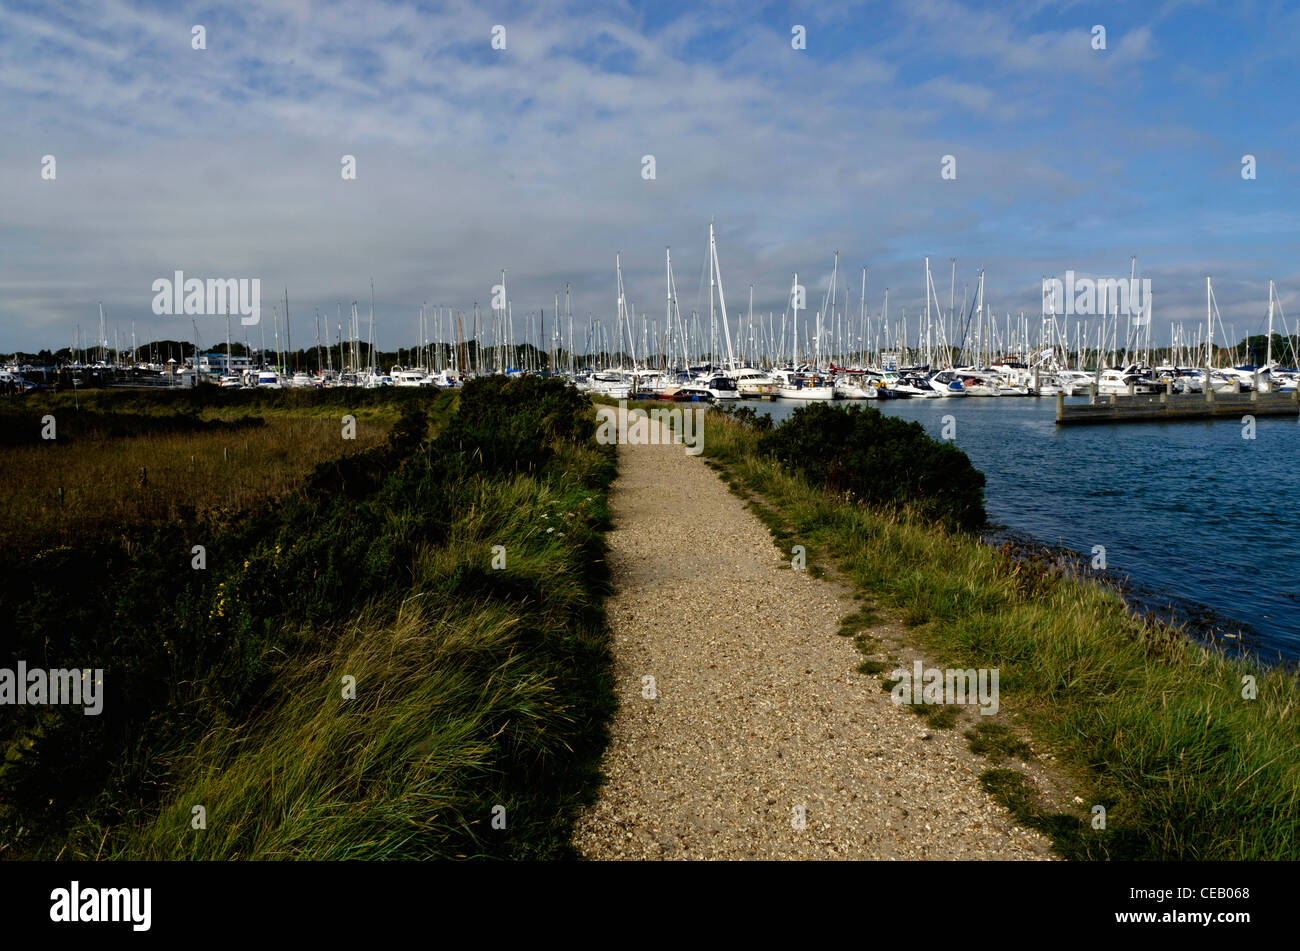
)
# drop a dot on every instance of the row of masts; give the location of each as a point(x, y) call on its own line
point(473, 342)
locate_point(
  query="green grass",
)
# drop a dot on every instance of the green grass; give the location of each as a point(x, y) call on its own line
point(476, 689)
point(1140, 718)
point(466, 699)
point(996, 742)
point(871, 666)
point(937, 716)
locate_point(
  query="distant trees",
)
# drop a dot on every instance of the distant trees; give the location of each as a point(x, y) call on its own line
point(1254, 349)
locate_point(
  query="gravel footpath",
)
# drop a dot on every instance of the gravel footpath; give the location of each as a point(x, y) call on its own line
point(759, 715)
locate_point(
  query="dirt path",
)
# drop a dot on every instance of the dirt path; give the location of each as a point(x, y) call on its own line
point(759, 711)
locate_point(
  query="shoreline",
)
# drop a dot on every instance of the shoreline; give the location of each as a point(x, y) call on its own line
point(1156, 730)
point(1198, 621)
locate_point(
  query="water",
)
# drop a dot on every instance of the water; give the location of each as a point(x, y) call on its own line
point(1193, 514)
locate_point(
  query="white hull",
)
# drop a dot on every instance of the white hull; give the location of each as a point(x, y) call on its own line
point(850, 392)
point(806, 392)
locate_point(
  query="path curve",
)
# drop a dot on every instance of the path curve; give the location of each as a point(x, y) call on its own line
point(758, 707)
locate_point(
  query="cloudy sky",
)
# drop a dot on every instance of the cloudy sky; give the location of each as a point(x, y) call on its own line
point(226, 161)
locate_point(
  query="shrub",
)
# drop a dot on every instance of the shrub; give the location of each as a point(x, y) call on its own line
point(882, 461)
point(746, 416)
point(510, 424)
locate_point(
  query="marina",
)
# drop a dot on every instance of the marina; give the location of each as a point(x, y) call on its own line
point(514, 437)
point(1191, 511)
point(843, 353)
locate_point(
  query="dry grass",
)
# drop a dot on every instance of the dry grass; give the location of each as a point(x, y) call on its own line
point(52, 492)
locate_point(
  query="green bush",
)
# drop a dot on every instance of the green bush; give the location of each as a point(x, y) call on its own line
point(509, 424)
point(880, 460)
point(746, 416)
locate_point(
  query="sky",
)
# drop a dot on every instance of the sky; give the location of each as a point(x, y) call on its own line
point(227, 161)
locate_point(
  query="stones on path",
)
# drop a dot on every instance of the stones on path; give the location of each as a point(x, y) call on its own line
point(762, 741)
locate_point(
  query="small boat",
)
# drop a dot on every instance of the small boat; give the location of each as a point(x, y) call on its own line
point(947, 383)
point(721, 388)
point(410, 376)
point(613, 385)
point(797, 386)
point(854, 386)
point(753, 384)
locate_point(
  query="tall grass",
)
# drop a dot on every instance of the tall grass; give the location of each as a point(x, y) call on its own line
point(475, 691)
point(476, 686)
point(1147, 723)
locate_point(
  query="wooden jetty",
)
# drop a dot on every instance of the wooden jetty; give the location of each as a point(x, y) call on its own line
point(1160, 407)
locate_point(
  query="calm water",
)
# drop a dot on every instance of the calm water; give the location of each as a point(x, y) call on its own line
point(1190, 512)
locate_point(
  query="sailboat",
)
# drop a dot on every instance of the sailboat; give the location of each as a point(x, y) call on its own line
point(795, 382)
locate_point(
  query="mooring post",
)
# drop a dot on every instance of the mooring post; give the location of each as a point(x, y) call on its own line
point(1060, 405)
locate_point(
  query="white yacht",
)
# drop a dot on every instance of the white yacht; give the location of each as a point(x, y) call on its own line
point(721, 387)
point(947, 383)
point(753, 383)
point(1117, 382)
point(905, 388)
point(792, 385)
point(410, 376)
point(610, 384)
point(978, 382)
point(854, 386)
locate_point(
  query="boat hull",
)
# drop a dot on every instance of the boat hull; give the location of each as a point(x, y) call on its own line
point(806, 392)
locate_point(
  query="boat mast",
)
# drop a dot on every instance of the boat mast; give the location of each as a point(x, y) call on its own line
point(794, 294)
point(747, 358)
point(623, 315)
point(928, 357)
point(722, 300)
point(1209, 319)
point(371, 367)
point(862, 320)
point(1268, 361)
point(288, 334)
point(668, 290)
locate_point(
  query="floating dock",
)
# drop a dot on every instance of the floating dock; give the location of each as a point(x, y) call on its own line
point(1161, 407)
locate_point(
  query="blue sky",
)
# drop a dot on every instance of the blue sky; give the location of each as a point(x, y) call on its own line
point(225, 161)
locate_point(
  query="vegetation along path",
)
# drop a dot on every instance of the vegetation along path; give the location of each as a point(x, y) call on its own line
point(758, 737)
